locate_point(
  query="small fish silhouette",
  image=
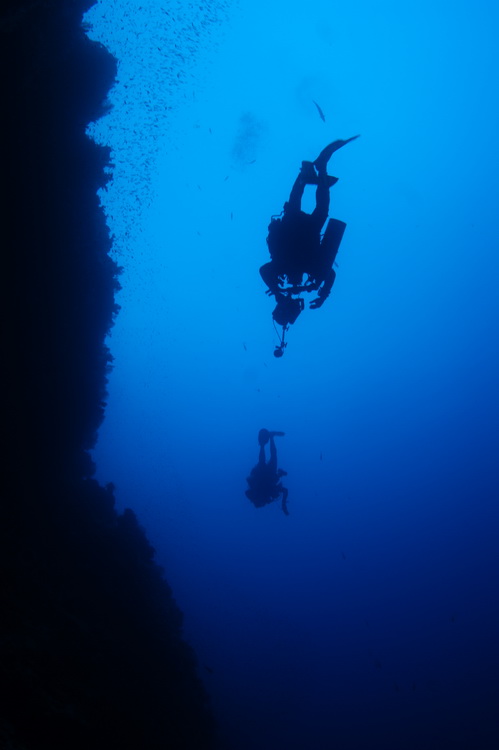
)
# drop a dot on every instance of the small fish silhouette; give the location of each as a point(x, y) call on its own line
point(319, 110)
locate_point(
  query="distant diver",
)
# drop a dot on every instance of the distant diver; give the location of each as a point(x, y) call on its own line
point(264, 480)
point(297, 248)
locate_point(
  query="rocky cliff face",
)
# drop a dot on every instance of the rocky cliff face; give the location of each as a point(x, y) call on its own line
point(91, 643)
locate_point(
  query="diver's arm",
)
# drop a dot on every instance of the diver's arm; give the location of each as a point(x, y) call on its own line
point(324, 290)
point(284, 504)
point(269, 274)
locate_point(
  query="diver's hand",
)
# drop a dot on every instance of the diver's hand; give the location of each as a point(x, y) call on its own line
point(316, 303)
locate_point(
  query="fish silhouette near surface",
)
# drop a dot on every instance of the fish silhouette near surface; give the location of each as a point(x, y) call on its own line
point(319, 110)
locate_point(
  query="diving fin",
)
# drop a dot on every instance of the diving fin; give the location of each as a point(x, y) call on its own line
point(310, 176)
point(321, 162)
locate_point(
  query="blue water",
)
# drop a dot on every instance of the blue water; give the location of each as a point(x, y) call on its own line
point(369, 617)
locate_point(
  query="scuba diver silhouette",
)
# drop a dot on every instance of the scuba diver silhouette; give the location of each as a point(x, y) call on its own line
point(264, 480)
point(297, 248)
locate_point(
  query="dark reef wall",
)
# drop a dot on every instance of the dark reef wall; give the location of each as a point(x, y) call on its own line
point(91, 646)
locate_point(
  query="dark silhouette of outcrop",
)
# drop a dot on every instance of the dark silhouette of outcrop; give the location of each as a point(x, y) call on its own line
point(91, 651)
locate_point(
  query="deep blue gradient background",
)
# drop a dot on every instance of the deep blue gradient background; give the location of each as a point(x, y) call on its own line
point(369, 617)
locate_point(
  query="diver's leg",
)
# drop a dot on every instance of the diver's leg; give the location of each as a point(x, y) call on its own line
point(294, 203)
point(307, 176)
point(273, 456)
point(263, 436)
point(320, 212)
point(308, 173)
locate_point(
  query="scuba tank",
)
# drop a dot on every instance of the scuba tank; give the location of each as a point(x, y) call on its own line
point(331, 240)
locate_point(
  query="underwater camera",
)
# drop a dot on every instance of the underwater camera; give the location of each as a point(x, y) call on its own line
point(287, 310)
